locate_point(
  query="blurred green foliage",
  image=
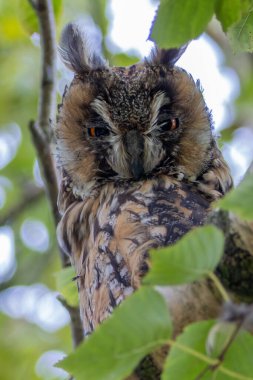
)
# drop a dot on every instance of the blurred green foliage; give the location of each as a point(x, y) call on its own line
point(22, 343)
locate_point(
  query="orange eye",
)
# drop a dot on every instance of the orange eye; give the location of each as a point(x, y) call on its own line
point(174, 124)
point(92, 132)
point(98, 132)
point(169, 125)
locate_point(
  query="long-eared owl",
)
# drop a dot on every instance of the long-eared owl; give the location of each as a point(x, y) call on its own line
point(139, 167)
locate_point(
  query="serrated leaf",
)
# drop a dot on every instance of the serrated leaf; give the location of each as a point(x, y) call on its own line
point(178, 21)
point(241, 33)
point(28, 17)
point(228, 12)
point(66, 286)
point(197, 253)
point(180, 364)
point(239, 200)
point(137, 327)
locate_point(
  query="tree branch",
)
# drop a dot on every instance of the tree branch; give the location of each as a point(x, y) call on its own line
point(41, 130)
point(77, 332)
point(236, 267)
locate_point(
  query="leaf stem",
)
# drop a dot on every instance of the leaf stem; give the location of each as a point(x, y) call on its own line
point(196, 354)
point(215, 363)
point(219, 286)
point(222, 356)
point(233, 374)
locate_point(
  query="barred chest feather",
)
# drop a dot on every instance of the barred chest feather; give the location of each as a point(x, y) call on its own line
point(109, 237)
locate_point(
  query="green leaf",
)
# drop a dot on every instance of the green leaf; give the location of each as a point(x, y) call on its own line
point(228, 12)
point(28, 17)
point(180, 364)
point(197, 253)
point(66, 286)
point(137, 327)
point(241, 33)
point(122, 59)
point(245, 5)
point(227, 133)
point(239, 200)
point(219, 337)
point(179, 21)
point(238, 358)
point(184, 364)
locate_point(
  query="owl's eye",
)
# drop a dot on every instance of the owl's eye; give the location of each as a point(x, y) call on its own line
point(98, 131)
point(169, 125)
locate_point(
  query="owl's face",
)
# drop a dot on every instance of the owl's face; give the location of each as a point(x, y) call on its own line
point(130, 123)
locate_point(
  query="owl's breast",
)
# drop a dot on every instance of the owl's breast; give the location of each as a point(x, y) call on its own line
point(114, 232)
point(154, 213)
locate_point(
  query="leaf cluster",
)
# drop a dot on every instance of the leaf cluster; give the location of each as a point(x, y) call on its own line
point(178, 21)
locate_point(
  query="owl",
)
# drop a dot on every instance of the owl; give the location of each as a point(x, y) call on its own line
point(139, 167)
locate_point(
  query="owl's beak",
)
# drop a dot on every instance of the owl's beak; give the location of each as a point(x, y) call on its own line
point(137, 169)
point(135, 147)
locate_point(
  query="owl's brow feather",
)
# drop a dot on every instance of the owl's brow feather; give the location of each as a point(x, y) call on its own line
point(160, 99)
point(101, 107)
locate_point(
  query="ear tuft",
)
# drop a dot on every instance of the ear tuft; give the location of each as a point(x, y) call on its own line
point(165, 57)
point(76, 51)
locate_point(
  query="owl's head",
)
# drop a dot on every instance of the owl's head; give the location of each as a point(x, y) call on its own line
point(129, 123)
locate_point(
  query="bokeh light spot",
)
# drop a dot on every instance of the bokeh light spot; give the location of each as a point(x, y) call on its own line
point(10, 139)
point(34, 235)
point(45, 366)
point(7, 254)
point(36, 304)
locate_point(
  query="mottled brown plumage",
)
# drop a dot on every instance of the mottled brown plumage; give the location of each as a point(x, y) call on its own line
point(139, 164)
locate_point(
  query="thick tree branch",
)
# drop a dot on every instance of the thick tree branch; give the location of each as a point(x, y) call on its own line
point(236, 267)
point(41, 131)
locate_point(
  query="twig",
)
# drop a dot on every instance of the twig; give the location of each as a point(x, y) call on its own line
point(47, 101)
point(32, 195)
point(41, 131)
point(47, 166)
point(77, 333)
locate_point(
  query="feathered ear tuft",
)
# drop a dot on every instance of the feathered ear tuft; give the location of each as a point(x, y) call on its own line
point(165, 57)
point(76, 52)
